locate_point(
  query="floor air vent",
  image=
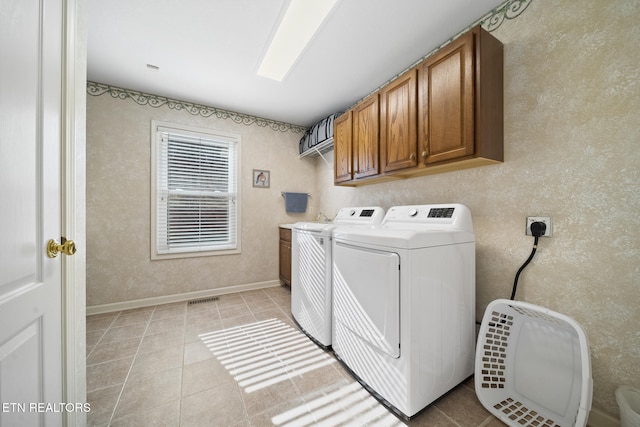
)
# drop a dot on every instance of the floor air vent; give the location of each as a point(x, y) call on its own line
point(203, 300)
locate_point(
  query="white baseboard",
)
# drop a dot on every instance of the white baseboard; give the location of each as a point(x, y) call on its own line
point(166, 299)
point(598, 418)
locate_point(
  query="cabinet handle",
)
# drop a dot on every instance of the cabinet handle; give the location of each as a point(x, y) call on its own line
point(424, 151)
point(412, 156)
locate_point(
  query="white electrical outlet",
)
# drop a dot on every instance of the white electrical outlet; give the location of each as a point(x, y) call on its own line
point(546, 219)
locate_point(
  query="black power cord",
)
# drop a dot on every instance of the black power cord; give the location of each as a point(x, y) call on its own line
point(537, 229)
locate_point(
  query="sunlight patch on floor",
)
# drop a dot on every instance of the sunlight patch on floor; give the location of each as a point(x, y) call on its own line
point(349, 405)
point(264, 353)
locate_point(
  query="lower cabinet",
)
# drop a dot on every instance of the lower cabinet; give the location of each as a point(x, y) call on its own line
point(285, 256)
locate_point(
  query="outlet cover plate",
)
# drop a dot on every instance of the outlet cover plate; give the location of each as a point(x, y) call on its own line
point(546, 219)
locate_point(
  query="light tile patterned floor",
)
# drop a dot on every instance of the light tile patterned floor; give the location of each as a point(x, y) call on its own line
point(237, 361)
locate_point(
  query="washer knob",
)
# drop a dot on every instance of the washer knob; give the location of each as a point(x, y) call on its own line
point(413, 212)
point(352, 212)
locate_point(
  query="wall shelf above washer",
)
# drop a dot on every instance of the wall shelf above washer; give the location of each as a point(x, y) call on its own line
point(319, 150)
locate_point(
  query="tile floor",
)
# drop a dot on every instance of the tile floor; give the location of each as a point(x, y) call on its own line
point(237, 361)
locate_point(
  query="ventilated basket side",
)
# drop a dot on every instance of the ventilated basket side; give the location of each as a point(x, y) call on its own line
point(628, 399)
point(532, 366)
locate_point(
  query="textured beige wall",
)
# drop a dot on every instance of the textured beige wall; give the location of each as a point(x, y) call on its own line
point(119, 267)
point(572, 102)
point(572, 135)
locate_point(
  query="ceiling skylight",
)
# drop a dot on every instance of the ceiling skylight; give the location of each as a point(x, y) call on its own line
point(299, 23)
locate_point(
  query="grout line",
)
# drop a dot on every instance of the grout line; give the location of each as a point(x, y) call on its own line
point(101, 336)
point(486, 422)
point(184, 349)
point(135, 356)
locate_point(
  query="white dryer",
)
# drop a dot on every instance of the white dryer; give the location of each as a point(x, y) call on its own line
point(404, 304)
point(311, 266)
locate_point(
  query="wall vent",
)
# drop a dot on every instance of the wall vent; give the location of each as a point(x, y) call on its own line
point(203, 300)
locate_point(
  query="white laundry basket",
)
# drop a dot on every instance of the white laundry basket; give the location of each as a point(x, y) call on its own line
point(533, 366)
point(629, 402)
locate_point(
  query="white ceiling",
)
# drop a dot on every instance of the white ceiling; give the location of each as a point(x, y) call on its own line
point(208, 51)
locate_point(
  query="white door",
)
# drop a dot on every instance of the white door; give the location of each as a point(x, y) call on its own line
point(30, 212)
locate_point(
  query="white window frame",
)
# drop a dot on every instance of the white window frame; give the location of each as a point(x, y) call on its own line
point(160, 246)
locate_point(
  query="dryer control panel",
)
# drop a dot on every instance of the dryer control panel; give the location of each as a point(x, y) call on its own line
point(454, 215)
point(441, 212)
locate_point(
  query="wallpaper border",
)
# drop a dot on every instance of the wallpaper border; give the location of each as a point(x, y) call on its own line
point(508, 10)
point(156, 101)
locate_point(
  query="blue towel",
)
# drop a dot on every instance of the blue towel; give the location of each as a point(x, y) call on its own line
point(296, 202)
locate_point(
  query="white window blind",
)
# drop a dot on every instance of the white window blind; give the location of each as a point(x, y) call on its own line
point(195, 192)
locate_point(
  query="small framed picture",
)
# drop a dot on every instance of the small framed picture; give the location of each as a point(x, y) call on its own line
point(261, 178)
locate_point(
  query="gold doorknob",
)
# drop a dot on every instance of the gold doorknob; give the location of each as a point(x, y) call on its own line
point(67, 247)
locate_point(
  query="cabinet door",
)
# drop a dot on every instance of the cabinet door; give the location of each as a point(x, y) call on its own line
point(446, 102)
point(398, 128)
point(342, 143)
point(285, 256)
point(285, 262)
point(366, 138)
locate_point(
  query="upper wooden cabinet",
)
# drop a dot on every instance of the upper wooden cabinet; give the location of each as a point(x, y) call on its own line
point(460, 104)
point(398, 123)
point(445, 114)
point(342, 143)
point(445, 102)
point(366, 138)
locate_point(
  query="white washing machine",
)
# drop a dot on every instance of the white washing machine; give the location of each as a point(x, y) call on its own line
point(311, 265)
point(404, 304)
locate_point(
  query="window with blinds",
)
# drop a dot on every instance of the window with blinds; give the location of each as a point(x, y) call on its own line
point(195, 192)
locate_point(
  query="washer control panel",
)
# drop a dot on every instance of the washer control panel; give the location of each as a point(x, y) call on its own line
point(360, 215)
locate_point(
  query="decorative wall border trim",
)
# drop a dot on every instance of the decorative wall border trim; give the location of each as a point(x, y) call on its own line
point(510, 9)
point(155, 101)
